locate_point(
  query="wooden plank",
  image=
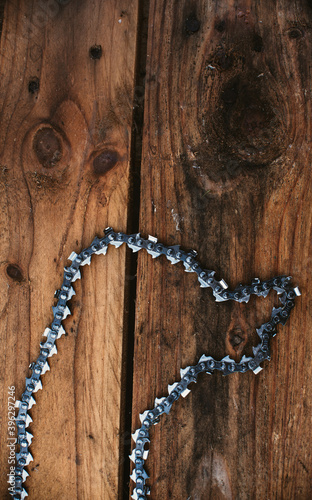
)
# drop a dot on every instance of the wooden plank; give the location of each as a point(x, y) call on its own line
point(66, 116)
point(226, 170)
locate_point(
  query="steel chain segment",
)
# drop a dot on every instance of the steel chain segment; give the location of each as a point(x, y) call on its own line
point(206, 364)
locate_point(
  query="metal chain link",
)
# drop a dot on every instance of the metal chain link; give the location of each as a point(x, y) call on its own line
point(206, 364)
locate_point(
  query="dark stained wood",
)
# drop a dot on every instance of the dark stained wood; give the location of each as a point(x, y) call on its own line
point(65, 121)
point(226, 170)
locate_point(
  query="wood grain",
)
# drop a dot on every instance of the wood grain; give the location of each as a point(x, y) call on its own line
point(65, 121)
point(226, 170)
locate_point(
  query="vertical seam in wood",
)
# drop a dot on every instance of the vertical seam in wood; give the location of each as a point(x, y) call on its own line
point(131, 259)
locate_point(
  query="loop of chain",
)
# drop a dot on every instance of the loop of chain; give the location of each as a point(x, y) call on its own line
point(206, 364)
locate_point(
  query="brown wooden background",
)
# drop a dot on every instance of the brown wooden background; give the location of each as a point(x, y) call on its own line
point(189, 120)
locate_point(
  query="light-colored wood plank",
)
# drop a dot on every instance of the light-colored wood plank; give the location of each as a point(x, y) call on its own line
point(53, 203)
point(226, 170)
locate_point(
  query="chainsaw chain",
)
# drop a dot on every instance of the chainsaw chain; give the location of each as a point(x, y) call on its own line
point(206, 364)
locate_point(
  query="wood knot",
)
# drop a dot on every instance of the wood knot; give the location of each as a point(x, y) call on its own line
point(14, 272)
point(105, 161)
point(249, 121)
point(48, 147)
point(246, 130)
point(222, 59)
point(236, 340)
point(236, 337)
point(294, 33)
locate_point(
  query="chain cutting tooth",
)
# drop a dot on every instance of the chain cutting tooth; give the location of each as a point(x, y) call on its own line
point(245, 298)
point(153, 253)
point(29, 437)
point(135, 435)
point(102, 251)
point(71, 292)
point(183, 371)
point(188, 268)
point(297, 291)
point(132, 456)
point(86, 262)
point(45, 368)
point(29, 458)
point(28, 420)
point(158, 401)
point(24, 494)
point(60, 332)
point(245, 359)
point(31, 402)
point(117, 243)
point(76, 276)
point(257, 370)
point(142, 416)
point(224, 284)
point(172, 387)
point(38, 386)
point(228, 359)
point(73, 256)
point(204, 358)
point(185, 392)
point(66, 312)
point(218, 297)
point(260, 331)
point(52, 351)
point(172, 260)
point(24, 475)
point(142, 474)
point(153, 239)
point(134, 248)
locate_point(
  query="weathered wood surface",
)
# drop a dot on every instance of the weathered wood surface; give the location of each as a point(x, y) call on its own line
point(66, 118)
point(226, 169)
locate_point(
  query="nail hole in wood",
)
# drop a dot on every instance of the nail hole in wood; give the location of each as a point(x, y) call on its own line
point(14, 272)
point(220, 26)
point(95, 52)
point(257, 43)
point(33, 85)
point(192, 24)
point(47, 147)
